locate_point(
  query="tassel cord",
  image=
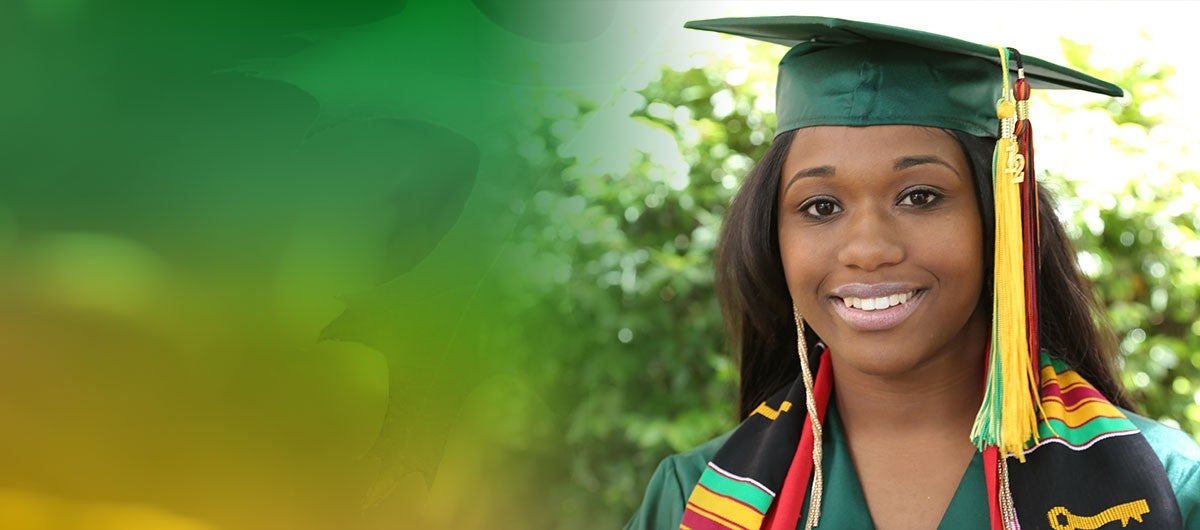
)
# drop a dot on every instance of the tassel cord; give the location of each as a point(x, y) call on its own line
point(814, 508)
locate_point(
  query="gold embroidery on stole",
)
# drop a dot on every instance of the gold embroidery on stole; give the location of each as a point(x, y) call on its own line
point(771, 413)
point(1121, 512)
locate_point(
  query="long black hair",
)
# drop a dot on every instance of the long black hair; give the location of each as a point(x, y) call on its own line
point(758, 308)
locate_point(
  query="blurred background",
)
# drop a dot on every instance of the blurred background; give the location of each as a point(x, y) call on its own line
point(446, 264)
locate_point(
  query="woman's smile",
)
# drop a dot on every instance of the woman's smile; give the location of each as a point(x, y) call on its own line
point(875, 312)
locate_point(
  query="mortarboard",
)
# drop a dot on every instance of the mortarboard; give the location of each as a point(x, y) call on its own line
point(845, 72)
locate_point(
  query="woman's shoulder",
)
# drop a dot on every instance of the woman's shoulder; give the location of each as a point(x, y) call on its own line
point(1174, 447)
point(667, 493)
point(696, 459)
point(1180, 456)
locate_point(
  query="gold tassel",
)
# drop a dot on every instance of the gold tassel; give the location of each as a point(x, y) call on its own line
point(1007, 418)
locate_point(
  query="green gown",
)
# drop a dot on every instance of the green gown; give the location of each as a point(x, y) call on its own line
point(844, 507)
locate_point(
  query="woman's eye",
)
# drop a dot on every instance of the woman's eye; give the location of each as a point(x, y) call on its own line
point(819, 208)
point(919, 198)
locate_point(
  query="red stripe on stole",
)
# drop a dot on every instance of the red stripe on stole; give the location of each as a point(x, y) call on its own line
point(1078, 405)
point(1073, 395)
point(1072, 384)
point(785, 511)
point(695, 520)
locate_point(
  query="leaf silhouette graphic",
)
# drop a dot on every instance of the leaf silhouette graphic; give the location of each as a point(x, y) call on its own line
point(422, 324)
point(401, 183)
point(428, 315)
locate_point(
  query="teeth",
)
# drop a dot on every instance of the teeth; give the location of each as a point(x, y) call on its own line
point(875, 304)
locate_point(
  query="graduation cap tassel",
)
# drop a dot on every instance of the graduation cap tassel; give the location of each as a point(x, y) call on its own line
point(1029, 211)
point(1007, 418)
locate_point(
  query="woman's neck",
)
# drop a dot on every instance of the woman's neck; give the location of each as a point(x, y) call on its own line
point(909, 433)
point(942, 395)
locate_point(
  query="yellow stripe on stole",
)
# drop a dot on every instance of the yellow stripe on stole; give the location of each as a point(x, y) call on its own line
point(730, 509)
point(1064, 379)
point(1081, 414)
point(716, 518)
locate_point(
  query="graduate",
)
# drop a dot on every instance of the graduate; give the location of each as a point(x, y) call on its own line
point(916, 344)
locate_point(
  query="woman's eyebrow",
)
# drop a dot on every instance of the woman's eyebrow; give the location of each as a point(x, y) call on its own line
point(817, 171)
point(906, 162)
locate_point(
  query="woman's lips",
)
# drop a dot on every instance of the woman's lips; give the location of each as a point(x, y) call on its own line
point(896, 307)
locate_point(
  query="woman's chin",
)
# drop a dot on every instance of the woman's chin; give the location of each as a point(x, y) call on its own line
point(880, 361)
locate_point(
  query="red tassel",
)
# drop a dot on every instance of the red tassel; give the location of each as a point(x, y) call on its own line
point(1029, 220)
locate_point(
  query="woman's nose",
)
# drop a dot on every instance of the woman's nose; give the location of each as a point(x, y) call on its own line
point(871, 241)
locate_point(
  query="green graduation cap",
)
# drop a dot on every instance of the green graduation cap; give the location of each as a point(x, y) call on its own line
point(844, 72)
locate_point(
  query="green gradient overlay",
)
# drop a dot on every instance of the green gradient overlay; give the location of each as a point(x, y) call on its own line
point(260, 263)
point(438, 264)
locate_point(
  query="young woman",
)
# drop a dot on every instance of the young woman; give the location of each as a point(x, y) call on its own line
point(950, 371)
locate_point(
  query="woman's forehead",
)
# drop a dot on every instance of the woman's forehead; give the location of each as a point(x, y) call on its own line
point(843, 145)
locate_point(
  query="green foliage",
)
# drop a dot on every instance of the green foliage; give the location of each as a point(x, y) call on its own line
point(1143, 81)
point(1139, 245)
point(629, 238)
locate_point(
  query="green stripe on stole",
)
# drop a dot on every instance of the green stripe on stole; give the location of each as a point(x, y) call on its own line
point(1076, 437)
point(744, 492)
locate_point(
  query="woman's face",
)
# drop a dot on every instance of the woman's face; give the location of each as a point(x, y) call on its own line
point(881, 241)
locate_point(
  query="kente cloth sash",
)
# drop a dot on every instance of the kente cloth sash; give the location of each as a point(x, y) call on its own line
point(1091, 466)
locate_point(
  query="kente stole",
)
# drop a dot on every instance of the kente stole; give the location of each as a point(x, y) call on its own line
point(1090, 468)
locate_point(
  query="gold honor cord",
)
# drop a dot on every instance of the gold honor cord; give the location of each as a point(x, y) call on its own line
point(1121, 512)
point(814, 504)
